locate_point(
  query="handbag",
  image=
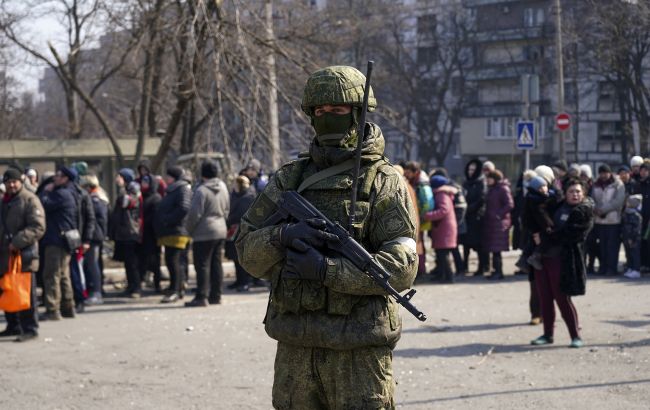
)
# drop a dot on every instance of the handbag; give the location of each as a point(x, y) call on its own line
point(72, 239)
point(16, 286)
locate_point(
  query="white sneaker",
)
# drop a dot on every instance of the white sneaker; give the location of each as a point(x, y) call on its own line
point(634, 274)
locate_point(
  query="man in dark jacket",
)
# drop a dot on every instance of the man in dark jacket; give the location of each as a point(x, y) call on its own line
point(241, 198)
point(125, 228)
point(643, 188)
point(475, 191)
point(206, 223)
point(61, 204)
point(87, 230)
point(171, 216)
point(23, 224)
point(148, 249)
point(93, 255)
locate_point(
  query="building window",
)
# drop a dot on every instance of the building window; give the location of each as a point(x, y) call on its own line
point(533, 52)
point(533, 17)
point(427, 56)
point(427, 25)
point(607, 97)
point(610, 134)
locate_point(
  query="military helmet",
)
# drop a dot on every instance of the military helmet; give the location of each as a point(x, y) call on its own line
point(336, 85)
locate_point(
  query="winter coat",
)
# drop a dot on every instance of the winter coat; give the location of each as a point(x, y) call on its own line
point(570, 238)
point(425, 200)
point(150, 201)
point(239, 204)
point(496, 223)
point(171, 212)
point(609, 198)
point(23, 224)
point(127, 215)
point(100, 208)
point(537, 215)
point(631, 226)
point(210, 206)
point(61, 206)
point(460, 207)
point(475, 190)
point(87, 210)
point(643, 189)
point(444, 230)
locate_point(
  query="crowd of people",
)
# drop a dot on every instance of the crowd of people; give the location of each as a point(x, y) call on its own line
point(66, 219)
point(568, 223)
point(60, 223)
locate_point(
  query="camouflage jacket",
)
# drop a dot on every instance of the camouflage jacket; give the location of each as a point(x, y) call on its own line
point(348, 310)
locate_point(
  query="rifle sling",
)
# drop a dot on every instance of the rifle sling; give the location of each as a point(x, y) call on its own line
point(326, 173)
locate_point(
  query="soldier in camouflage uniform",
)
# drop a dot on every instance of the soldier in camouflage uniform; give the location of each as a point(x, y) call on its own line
point(335, 327)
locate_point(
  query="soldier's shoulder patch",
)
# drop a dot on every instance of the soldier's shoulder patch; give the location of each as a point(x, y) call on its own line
point(395, 222)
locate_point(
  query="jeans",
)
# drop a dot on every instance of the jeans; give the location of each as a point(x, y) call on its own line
point(609, 245)
point(131, 265)
point(173, 262)
point(633, 252)
point(443, 265)
point(209, 271)
point(25, 320)
point(91, 268)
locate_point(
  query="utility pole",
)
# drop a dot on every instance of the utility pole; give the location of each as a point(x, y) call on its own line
point(274, 122)
point(560, 73)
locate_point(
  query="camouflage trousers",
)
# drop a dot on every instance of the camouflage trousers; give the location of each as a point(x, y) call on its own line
point(316, 378)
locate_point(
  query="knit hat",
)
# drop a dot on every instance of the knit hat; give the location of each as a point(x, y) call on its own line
point(604, 168)
point(489, 166)
point(127, 174)
point(209, 169)
point(12, 174)
point(175, 172)
point(536, 183)
point(585, 170)
point(636, 161)
point(69, 172)
point(81, 167)
point(574, 170)
point(633, 201)
point(623, 168)
point(545, 172)
point(31, 172)
point(561, 165)
point(644, 166)
point(496, 175)
point(437, 181)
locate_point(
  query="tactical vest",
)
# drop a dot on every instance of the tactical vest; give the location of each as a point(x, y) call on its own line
point(332, 197)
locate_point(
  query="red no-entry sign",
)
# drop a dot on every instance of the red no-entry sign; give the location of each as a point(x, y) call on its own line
point(563, 121)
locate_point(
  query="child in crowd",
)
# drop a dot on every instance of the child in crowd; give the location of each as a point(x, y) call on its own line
point(632, 223)
point(537, 217)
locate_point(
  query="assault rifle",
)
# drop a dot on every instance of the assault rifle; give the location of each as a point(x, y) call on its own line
point(293, 206)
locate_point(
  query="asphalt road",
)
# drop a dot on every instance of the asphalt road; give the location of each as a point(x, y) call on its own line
point(472, 353)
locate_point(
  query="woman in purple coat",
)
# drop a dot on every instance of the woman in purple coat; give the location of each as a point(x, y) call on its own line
point(496, 223)
point(444, 228)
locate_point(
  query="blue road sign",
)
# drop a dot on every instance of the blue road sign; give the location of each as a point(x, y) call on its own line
point(525, 135)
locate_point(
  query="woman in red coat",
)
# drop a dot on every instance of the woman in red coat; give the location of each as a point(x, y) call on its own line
point(444, 230)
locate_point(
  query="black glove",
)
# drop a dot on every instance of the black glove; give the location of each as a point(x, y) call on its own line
point(304, 262)
point(309, 231)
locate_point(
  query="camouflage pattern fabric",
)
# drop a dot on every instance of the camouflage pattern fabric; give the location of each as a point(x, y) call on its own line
point(336, 85)
point(348, 310)
point(313, 378)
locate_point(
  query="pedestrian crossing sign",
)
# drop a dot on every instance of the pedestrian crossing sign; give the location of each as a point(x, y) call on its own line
point(525, 135)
